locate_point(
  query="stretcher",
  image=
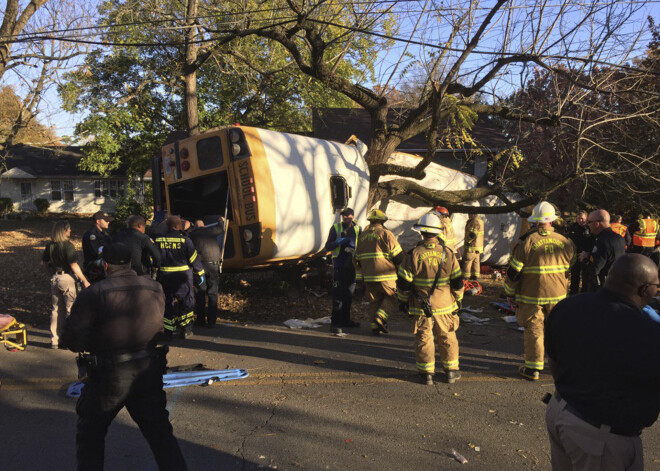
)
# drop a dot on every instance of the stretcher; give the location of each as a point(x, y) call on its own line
point(13, 334)
point(505, 307)
point(203, 377)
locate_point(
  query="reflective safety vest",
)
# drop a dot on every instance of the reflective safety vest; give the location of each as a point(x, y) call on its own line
point(619, 228)
point(648, 230)
point(337, 226)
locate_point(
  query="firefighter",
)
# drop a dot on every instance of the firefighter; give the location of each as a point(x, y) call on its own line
point(341, 242)
point(473, 246)
point(537, 279)
point(620, 228)
point(377, 255)
point(644, 235)
point(93, 242)
point(430, 279)
point(448, 228)
point(178, 261)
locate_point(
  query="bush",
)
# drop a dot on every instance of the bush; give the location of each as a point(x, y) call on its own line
point(128, 206)
point(42, 205)
point(6, 206)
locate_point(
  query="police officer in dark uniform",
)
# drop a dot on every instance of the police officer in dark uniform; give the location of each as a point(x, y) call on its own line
point(341, 243)
point(117, 320)
point(144, 253)
point(178, 261)
point(579, 233)
point(607, 248)
point(208, 240)
point(93, 242)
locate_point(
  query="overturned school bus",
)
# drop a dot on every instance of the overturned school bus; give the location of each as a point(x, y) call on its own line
point(281, 192)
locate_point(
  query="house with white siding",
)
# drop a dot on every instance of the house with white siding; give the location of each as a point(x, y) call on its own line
point(52, 173)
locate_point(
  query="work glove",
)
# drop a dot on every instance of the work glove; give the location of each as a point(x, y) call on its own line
point(343, 241)
point(459, 303)
point(202, 283)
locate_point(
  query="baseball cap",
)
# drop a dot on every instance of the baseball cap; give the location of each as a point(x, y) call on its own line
point(348, 212)
point(102, 215)
point(117, 254)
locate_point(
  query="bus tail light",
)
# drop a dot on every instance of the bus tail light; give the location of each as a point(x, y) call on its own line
point(235, 149)
point(185, 165)
point(251, 240)
point(247, 235)
point(238, 144)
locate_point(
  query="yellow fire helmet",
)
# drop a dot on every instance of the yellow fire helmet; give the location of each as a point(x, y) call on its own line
point(12, 333)
point(376, 215)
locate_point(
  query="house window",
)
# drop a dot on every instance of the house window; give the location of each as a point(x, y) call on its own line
point(26, 191)
point(55, 190)
point(68, 190)
point(109, 188)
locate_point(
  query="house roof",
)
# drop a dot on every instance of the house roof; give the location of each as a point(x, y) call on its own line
point(338, 124)
point(27, 161)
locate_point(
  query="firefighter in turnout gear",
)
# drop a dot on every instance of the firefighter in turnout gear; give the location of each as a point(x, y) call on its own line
point(376, 257)
point(473, 246)
point(341, 244)
point(447, 235)
point(537, 277)
point(178, 261)
point(644, 235)
point(430, 290)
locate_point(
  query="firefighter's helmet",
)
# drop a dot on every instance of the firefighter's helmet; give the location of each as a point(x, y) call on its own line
point(12, 333)
point(442, 210)
point(430, 224)
point(376, 215)
point(543, 212)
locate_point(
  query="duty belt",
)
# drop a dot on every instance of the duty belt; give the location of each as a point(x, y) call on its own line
point(576, 413)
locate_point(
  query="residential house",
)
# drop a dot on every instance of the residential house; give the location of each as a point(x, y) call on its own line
point(52, 173)
point(338, 124)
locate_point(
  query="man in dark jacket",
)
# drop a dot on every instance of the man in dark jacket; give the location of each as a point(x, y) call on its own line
point(579, 233)
point(208, 240)
point(144, 253)
point(117, 320)
point(608, 247)
point(93, 242)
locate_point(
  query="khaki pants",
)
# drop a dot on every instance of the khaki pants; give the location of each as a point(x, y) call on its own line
point(62, 295)
point(445, 327)
point(381, 296)
point(576, 445)
point(532, 318)
point(471, 264)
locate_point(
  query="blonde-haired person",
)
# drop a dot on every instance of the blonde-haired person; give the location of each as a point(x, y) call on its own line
point(59, 259)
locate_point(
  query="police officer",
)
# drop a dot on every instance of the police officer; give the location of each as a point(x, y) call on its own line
point(117, 320)
point(377, 255)
point(579, 233)
point(178, 260)
point(93, 242)
point(208, 241)
point(144, 253)
point(341, 243)
point(538, 279)
point(430, 279)
point(607, 248)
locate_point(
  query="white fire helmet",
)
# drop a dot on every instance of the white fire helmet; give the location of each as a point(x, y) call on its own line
point(430, 224)
point(543, 212)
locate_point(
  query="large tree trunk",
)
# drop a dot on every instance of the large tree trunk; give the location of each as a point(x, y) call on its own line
point(190, 71)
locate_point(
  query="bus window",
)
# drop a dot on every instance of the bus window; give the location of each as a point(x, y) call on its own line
point(199, 197)
point(340, 193)
point(209, 153)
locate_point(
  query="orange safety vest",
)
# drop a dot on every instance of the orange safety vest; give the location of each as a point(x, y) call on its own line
point(619, 228)
point(645, 237)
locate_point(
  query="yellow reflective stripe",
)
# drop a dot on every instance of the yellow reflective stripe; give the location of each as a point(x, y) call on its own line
point(418, 311)
point(517, 265)
point(359, 277)
point(450, 365)
point(509, 290)
point(403, 297)
point(396, 250)
point(200, 273)
point(426, 367)
point(547, 269)
point(175, 269)
point(170, 239)
point(193, 257)
point(336, 250)
point(534, 365)
point(456, 274)
point(405, 274)
point(382, 314)
point(459, 296)
point(380, 277)
point(428, 282)
point(538, 301)
point(371, 255)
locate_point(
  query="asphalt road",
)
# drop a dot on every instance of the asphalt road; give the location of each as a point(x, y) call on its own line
point(313, 401)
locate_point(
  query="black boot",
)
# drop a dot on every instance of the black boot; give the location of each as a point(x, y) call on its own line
point(426, 378)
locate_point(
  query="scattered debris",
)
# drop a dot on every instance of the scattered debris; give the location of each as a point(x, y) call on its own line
point(470, 319)
point(75, 389)
point(474, 447)
point(515, 422)
point(308, 323)
point(471, 309)
point(458, 457)
point(509, 319)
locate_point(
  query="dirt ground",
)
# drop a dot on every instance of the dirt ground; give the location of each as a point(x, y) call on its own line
point(263, 297)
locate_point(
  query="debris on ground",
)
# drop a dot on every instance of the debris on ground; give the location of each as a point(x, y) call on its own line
point(308, 323)
point(470, 319)
point(458, 457)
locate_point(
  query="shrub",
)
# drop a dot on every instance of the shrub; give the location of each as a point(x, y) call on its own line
point(6, 206)
point(128, 206)
point(42, 205)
